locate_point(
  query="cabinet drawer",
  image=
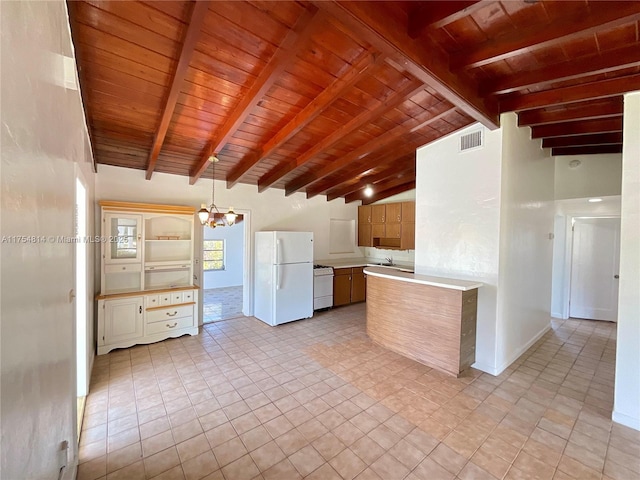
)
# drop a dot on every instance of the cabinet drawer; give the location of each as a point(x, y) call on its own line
point(151, 301)
point(133, 267)
point(342, 271)
point(176, 297)
point(166, 299)
point(168, 325)
point(170, 313)
point(187, 296)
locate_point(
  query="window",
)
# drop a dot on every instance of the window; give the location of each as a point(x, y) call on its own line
point(213, 255)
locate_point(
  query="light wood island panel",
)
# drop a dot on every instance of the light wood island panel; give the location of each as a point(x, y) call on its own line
point(433, 325)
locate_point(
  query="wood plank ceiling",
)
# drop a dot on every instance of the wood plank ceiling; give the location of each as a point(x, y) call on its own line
point(326, 97)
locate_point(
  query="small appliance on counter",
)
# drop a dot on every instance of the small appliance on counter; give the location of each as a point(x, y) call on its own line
point(284, 276)
point(322, 287)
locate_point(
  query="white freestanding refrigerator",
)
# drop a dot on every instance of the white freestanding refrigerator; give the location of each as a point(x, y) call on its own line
point(283, 276)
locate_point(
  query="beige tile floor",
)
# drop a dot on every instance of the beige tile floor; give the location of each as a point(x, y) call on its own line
point(222, 303)
point(316, 399)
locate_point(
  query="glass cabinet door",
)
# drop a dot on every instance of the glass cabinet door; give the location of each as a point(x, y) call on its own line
point(122, 234)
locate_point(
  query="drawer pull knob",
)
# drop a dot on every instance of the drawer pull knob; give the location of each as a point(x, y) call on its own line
point(172, 314)
point(124, 268)
point(172, 326)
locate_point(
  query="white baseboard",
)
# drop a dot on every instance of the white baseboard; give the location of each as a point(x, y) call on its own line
point(523, 348)
point(626, 420)
point(490, 369)
point(495, 371)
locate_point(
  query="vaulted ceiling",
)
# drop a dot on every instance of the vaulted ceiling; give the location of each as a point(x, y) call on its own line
point(326, 97)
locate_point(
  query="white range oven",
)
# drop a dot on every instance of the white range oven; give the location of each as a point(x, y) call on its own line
point(322, 287)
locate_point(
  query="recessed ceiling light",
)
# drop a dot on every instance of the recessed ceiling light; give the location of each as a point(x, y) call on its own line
point(368, 191)
point(595, 200)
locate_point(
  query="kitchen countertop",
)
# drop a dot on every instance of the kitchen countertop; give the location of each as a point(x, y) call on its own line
point(364, 262)
point(394, 274)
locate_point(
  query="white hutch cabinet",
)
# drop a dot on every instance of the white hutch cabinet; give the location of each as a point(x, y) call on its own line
point(147, 292)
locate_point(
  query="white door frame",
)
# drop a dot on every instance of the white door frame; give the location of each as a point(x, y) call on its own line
point(247, 260)
point(568, 258)
point(83, 364)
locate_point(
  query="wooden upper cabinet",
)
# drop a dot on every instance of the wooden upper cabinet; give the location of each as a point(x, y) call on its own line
point(378, 213)
point(393, 213)
point(364, 235)
point(408, 236)
point(364, 214)
point(388, 225)
point(409, 212)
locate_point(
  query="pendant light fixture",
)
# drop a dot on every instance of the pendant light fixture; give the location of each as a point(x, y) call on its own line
point(207, 216)
point(211, 216)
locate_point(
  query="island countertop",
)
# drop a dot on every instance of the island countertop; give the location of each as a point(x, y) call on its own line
point(450, 283)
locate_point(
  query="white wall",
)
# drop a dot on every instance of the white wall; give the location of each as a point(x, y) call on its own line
point(233, 236)
point(270, 210)
point(526, 222)
point(626, 409)
point(486, 214)
point(565, 211)
point(596, 176)
point(458, 223)
point(43, 134)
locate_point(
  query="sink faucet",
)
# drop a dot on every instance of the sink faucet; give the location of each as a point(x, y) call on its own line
point(389, 259)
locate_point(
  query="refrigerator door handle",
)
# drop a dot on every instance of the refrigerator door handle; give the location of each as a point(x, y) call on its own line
point(278, 246)
point(278, 277)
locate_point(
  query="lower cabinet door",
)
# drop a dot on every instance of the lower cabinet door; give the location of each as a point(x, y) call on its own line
point(341, 288)
point(123, 319)
point(358, 286)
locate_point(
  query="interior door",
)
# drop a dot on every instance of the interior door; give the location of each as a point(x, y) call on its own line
point(594, 269)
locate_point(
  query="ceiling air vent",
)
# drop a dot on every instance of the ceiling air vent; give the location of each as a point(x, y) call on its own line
point(471, 140)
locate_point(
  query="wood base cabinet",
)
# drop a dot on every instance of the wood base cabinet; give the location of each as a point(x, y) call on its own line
point(127, 319)
point(349, 286)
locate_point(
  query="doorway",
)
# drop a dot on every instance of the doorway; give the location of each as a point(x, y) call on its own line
point(595, 262)
point(81, 305)
point(223, 275)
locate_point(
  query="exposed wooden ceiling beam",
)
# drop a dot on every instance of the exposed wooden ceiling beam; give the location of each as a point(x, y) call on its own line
point(349, 186)
point(284, 56)
point(594, 90)
point(588, 150)
point(589, 110)
point(191, 36)
point(422, 57)
point(593, 65)
point(361, 66)
point(429, 13)
point(577, 128)
point(392, 101)
point(380, 187)
point(390, 193)
point(425, 118)
point(600, 16)
point(384, 158)
point(583, 140)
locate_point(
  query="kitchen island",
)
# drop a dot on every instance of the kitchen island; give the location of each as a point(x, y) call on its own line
point(429, 319)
